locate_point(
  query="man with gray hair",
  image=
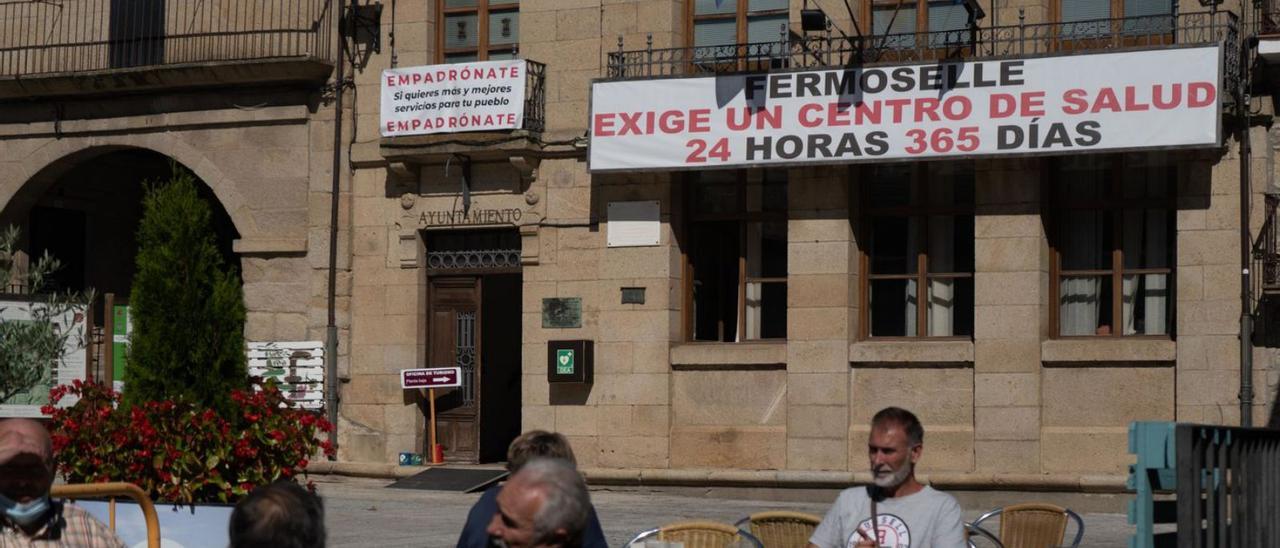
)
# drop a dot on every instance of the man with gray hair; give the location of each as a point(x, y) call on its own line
point(544, 505)
point(896, 510)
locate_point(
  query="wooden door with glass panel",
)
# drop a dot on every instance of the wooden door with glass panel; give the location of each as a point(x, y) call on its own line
point(454, 341)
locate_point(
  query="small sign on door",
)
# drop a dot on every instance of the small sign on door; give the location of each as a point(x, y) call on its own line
point(436, 377)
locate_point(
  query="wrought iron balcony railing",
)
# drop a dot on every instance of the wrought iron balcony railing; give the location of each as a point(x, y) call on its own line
point(1266, 253)
point(45, 37)
point(817, 51)
point(535, 100)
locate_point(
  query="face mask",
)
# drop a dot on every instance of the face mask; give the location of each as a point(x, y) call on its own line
point(24, 513)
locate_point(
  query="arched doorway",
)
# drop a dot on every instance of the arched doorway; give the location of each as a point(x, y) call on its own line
point(86, 215)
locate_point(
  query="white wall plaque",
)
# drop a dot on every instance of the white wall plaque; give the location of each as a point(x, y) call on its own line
point(634, 224)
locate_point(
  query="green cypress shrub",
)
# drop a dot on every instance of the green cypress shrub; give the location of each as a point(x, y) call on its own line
point(187, 305)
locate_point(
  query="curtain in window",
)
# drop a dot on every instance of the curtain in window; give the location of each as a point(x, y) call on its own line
point(1080, 296)
point(1145, 297)
point(913, 290)
point(942, 292)
point(754, 300)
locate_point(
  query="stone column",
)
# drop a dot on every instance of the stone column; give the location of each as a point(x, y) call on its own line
point(1010, 308)
point(820, 261)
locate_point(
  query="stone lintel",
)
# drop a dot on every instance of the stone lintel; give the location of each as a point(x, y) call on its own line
point(906, 352)
point(729, 354)
point(1104, 349)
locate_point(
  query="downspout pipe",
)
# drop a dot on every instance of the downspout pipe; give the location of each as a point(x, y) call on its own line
point(1246, 243)
point(331, 328)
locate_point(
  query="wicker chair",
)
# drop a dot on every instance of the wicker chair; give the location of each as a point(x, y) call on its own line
point(781, 529)
point(1034, 525)
point(699, 534)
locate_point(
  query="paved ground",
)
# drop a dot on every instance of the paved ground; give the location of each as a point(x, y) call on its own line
point(362, 512)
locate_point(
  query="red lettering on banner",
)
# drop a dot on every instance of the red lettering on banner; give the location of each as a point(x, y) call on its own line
point(806, 111)
point(1075, 100)
point(1106, 100)
point(670, 122)
point(763, 117)
point(838, 114)
point(1157, 98)
point(926, 107)
point(1003, 105)
point(1032, 103)
point(603, 126)
point(630, 122)
point(1131, 103)
point(699, 120)
point(1201, 94)
point(896, 105)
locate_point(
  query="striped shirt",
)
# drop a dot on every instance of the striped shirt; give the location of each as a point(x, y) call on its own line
point(66, 526)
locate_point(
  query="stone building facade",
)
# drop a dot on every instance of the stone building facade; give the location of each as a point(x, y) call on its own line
point(454, 247)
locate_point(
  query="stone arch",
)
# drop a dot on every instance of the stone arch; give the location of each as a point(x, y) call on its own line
point(30, 176)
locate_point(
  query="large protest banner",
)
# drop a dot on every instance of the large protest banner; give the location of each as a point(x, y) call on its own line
point(1167, 98)
point(483, 96)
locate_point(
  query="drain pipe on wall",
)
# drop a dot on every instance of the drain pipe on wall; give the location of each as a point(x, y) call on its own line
point(331, 328)
point(1246, 244)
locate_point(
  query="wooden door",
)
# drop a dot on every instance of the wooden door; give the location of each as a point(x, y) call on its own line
point(454, 341)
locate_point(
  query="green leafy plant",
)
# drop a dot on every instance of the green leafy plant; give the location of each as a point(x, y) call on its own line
point(180, 452)
point(31, 347)
point(187, 305)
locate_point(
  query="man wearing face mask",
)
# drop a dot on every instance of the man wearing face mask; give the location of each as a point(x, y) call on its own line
point(27, 516)
point(905, 513)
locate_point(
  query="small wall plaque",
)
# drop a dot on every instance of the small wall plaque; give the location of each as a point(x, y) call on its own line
point(633, 224)
point(561, 312)
point(633, 295)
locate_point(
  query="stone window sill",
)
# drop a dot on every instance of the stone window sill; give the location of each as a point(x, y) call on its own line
point(903, 352)
point(753, 355)
point(1102, 349)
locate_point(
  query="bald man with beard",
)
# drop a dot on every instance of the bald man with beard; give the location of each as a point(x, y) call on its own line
point(28, 517)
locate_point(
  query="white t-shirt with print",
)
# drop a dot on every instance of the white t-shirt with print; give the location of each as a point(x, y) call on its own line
point(926, 519)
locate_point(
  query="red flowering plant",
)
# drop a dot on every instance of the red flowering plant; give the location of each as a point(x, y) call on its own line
point(179, 452)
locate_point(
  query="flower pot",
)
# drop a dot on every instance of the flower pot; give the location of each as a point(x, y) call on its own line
point(199, 526)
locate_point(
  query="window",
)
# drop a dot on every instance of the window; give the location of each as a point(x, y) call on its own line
point(943, 22)
point(918, 228)
point(737, 257)
point(479, 30)
point(1113, 245)
point(1091, 18)
point(721, 22)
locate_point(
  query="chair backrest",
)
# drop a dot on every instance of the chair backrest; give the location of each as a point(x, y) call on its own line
point(781, 529)
point(1033, 525)
point(699, 534)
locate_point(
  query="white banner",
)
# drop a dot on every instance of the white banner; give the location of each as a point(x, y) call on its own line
point(1047, 105)
point(482, 96)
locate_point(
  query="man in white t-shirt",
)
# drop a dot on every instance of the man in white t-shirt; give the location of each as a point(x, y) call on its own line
point(906, 513)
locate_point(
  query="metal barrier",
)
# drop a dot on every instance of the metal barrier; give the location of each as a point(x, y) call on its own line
point(1226, 481)
point(89, 35)
point(111, 491)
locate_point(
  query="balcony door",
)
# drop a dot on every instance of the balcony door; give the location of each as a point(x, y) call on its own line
point(136, 33)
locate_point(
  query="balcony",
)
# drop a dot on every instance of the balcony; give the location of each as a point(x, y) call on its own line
point(101, 46)
point(823, 51)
